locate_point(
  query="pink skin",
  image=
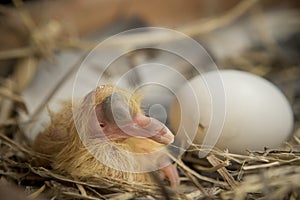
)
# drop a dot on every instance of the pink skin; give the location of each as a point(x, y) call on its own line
point(171, 173)
point(141, 126)
point(148, 127)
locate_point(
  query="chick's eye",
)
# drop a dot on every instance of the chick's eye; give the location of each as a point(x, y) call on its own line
point(116, 110)
point(121, 115)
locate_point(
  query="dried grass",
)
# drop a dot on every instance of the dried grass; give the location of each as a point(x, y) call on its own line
point(270, 174)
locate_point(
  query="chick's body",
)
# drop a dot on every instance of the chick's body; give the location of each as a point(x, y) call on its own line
point(82, 153)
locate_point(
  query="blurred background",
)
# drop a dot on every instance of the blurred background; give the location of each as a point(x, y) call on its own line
point(42, 40)
point(42, 43)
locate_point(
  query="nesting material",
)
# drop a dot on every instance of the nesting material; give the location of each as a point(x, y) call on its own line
point(266, 174)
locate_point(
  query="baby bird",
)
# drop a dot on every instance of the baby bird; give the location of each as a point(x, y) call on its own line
point(106, 135)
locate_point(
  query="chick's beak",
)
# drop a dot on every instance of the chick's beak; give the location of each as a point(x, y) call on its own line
point(148, 127)
point(137, 124)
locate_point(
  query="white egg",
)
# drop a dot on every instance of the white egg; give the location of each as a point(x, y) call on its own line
point(244, 112)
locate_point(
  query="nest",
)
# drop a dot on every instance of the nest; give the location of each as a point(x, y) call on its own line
point(269, 174)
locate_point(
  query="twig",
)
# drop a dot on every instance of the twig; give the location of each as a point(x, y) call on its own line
point(211, 169)
point(81, 189)
point(8, 93)
point(204, 178)
point(29, 23)
point(94, 191)
point(6, 105)
point(37, 193)
point(297, 138)
point(15, 145)
point(222, 171)
point(124, 196)
point(79, 196)
point(220, 21)
point(20, 52)
point(196, 183)
point(261, 166)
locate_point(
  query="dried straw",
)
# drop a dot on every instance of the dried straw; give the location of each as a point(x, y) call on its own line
point(270, 174)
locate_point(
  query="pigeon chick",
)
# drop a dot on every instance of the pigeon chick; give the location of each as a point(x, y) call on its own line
point(106, 135)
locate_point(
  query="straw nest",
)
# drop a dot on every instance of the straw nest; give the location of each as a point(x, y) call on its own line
point(270, 174)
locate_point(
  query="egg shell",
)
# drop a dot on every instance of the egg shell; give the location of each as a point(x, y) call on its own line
point(257, 114)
